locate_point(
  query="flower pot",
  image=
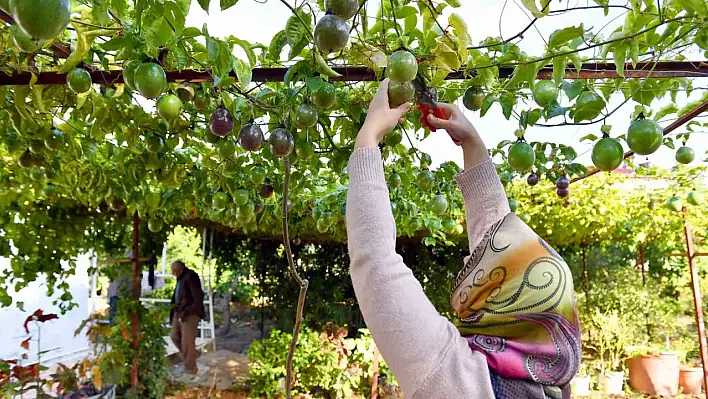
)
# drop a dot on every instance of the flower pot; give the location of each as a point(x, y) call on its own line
point(580, 386)
point(612, 382)
point(691, 380)
point(654, 375)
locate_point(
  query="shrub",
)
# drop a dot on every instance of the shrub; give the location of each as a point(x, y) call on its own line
point(325, 364)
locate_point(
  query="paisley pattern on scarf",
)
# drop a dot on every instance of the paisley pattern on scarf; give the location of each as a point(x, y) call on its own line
point(515, 303)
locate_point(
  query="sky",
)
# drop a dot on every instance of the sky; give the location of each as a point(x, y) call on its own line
point(257, 22)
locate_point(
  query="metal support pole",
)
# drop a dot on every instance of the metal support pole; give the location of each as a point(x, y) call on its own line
point(640, 263)
point(697, 301)
point(136, 297)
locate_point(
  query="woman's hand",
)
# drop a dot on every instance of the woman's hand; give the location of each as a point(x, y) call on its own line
point(462, 130)
point(380, 119)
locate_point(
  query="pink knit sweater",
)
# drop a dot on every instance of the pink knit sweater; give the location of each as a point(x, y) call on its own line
point(426, 352)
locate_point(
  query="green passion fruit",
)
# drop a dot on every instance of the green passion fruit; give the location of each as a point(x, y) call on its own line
point(674, 204)
point(694, 198)
point(225, 149)
point(154, 143)
point(54, 140)
point(393, 139)
point(169, 107)
point(281, 142)
point(544, 92)
point(305, 150)
point(513, 204)
point(394, 180)
point(438, 205)
point(241, 197)
point(150, 80)
point(79, 80)
point(305, 116)
point(644, 136)
point(426, 179)
point(331, 33)
point(257, 174)
point(473, 98)
point(325, 97)
point(155, 225)
point(685, 155)
point(521, 156)
point(41, 19)
point(402, 66)
point(220, 200)
point(607, 154)
point(400, 93)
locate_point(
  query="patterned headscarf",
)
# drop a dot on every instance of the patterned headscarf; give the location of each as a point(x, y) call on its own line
point(515, 303)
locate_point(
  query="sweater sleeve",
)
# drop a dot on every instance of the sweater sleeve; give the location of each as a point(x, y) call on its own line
point(425, 351)
point(485, 200)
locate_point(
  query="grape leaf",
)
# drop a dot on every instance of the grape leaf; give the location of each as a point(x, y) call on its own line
point(295, 31)
point(666, 110)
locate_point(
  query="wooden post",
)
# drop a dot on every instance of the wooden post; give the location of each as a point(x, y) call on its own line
point(640, 264)
point(586, 277)
point(697, 300)
point(136, 297)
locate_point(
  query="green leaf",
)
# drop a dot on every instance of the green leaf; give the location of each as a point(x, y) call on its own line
point(295, 31)
point(454, 3)
point(533, 8)
point(559, 64)
point(669, 142)
point(588, 109)
point(175, 17)
point(314, 83)
point(405, 12)
point(247, 48)
point(576, 60)
point(276, 45)
point(620, 55)
point(666, 110)
point(204, 4)
point(489, 99)
point(226, 4)
point(525, 73)
point(588, 137)
point(572, 89)
point(297, 49)
point(554, 109)
point(191, 32)
point(507, 101)
point(563, 36)
point(410, 22)
point(534, 116)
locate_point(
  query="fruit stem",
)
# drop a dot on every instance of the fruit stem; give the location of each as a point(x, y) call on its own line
point(296, 276)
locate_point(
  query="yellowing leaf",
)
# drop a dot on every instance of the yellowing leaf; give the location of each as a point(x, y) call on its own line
point(96, 377)
point(323, 68)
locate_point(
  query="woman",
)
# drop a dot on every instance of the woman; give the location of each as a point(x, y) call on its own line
point(517, 334)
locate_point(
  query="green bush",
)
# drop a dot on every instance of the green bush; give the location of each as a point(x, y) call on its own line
point(325, 364)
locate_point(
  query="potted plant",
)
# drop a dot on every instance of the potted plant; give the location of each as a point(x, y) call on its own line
point(610, 338)
point(654, 371)
point(691, 374)
point(580, 385)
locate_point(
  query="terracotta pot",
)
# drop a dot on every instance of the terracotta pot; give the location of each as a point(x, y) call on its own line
point(654, 375)
point(612, 382)
point(691, 380)
point(580, 386)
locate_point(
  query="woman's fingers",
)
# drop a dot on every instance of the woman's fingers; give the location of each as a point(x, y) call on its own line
point(439, 123)
point(448, 109)
point(402, 109)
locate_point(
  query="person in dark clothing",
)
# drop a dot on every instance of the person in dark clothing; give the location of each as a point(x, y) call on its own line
point(187, 311)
